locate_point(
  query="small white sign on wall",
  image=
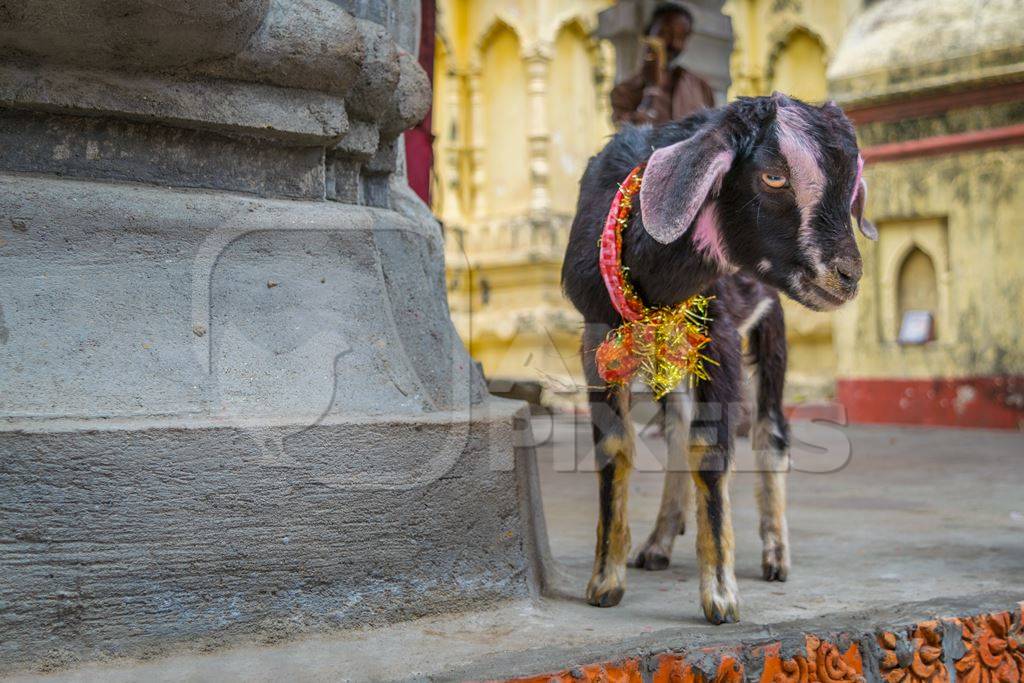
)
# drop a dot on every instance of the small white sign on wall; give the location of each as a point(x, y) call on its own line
point(917, 327)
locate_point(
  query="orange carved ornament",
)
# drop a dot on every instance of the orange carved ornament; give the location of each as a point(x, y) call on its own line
point(823, 663)
point(675, 669)
point(995, 649)
point(926, 666)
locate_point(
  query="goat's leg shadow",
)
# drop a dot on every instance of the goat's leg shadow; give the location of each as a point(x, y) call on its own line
point(677, 491)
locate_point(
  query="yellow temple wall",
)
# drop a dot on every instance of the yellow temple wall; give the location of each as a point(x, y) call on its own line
point(964, 217)
point(521, 103)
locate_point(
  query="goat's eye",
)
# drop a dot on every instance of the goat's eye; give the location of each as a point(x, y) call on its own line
point(774, 181)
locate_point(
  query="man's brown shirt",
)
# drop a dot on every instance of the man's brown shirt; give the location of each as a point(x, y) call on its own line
point(689, 93)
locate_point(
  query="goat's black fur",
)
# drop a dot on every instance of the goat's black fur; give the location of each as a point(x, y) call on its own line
point(682, 269)
point(769, 238)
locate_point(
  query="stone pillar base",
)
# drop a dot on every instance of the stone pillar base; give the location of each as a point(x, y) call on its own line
point(132, 536)
point(228, 417)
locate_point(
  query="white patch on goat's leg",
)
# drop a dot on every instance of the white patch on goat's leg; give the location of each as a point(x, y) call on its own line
point(716, 555)
point(755, 316)
point(614, 451)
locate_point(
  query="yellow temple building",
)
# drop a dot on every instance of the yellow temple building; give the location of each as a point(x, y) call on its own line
point(937, 93)
point(520, 104)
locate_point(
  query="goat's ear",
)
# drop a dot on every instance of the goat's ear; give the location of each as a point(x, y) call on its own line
point(859, 197)
point(678, 181)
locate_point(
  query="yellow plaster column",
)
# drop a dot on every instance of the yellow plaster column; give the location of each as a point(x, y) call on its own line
point(478, 148)
point(537, 69)
point(455, 194)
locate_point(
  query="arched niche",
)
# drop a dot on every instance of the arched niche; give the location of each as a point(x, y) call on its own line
point(918, 286)
point(797, 66)
point(908, 280)
point(503, 103)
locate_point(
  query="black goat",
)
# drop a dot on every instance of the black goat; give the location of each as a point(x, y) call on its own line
point(735, 203)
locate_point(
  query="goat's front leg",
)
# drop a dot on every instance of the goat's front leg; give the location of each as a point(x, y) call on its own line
point(676, 494)
point(710, 459)
point(613, 445)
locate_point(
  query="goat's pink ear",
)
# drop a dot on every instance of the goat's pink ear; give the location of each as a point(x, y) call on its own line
point(678, 181)
point(860, 195)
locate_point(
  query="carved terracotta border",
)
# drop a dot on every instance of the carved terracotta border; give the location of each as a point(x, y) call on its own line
point(986, 648)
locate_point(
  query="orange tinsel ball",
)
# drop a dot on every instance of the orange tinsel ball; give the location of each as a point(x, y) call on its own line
point(616, 361)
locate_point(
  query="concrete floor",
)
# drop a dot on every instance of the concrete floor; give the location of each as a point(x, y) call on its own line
point(876, 516)
point(884, 523)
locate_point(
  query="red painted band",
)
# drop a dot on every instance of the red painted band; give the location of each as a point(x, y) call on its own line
point(945, 144)
point(995, 402)
point(927, 105)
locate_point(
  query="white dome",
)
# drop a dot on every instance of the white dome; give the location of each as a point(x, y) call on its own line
point(898, 46)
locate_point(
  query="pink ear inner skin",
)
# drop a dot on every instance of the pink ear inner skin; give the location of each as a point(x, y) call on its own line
point(666, 217)
point(707, 235)
point(856, 183)
point(717, 169)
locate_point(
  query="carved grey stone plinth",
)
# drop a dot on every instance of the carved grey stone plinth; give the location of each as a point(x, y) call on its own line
point(231, 399)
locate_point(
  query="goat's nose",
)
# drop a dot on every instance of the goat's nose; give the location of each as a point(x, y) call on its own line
point(848, 271)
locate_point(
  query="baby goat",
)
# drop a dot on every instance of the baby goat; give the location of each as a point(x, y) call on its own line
point(735, 203)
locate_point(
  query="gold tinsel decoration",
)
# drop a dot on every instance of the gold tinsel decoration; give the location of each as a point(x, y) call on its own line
point(659, 346)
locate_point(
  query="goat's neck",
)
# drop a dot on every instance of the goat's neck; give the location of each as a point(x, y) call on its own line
point(665, 275)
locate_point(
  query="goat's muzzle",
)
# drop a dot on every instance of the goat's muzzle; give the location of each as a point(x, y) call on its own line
point(833, 285)
point(845, 274)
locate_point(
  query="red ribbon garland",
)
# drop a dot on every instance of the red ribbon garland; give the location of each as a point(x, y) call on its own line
point(623, 298)
point(662, 345)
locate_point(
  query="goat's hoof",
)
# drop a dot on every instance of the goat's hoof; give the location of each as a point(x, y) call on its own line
point(774, 572)
point(719, 616)
point(720, 601)
point(651, 557)
point(605, 591)
point(775, 563)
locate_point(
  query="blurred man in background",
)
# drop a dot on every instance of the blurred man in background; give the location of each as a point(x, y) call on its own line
point(662, 90)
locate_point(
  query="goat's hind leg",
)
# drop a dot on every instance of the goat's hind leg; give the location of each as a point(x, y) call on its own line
point(677, 492)
point(770, 441)
point(613, 450)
